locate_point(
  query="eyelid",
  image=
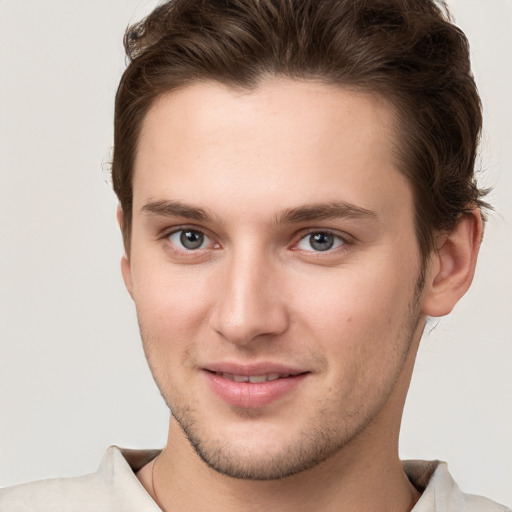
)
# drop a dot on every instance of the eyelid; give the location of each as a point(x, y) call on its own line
point(166, 234)
point(344, 237)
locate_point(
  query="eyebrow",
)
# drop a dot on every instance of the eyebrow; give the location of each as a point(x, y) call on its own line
point(176, 209)
point(306, 213)
point(324, 211)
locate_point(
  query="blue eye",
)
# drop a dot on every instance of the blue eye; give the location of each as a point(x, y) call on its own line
point(189, 239)
point(320, 241)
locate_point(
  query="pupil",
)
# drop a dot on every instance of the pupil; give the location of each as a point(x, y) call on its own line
point(191, 239)
point(321, 241)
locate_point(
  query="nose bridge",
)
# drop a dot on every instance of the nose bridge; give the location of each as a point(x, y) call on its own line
point(248, 303)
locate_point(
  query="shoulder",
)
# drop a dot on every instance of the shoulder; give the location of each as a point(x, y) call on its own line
point(473, 503)
point(56, 494)
point(114, 487)
point(440, 491)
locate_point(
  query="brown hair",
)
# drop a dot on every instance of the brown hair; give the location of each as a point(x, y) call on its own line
point(407, 51)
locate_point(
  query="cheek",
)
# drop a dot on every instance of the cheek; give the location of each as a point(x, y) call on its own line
point(357, 311)
point(362, 325)
point(170, 309)
point(170, 300)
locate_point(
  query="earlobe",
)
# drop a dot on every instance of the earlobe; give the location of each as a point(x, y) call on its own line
point(126, 270)
point(127, 274)
point(452, 265)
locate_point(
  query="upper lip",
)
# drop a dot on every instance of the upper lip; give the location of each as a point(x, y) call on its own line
point(248, 370)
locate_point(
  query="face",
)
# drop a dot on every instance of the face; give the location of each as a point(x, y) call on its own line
point(274, 268)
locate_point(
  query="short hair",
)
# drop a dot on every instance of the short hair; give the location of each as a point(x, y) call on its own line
point(407, 51)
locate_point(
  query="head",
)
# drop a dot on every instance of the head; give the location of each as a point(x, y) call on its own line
point(407, 52)
point(296, 181)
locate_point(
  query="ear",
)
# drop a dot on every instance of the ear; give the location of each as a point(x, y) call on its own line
point(452, 265)
point(126, 269)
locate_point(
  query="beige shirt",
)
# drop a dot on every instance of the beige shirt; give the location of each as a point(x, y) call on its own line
point(115, 488)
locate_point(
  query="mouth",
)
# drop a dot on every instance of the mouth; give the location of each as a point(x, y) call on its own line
point(253, 387)
point(254, 379)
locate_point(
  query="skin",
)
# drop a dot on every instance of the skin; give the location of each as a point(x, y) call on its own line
point(255, 173)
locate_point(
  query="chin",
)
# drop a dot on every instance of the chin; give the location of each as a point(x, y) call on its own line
point(260, 457)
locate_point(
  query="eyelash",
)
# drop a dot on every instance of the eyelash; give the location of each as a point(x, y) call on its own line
point(183, 229)
point(341, 241)
point(338, 240)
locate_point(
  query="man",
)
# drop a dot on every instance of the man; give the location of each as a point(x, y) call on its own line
point(297, 196)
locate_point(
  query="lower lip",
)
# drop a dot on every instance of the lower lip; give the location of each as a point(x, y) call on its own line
point(251, 395)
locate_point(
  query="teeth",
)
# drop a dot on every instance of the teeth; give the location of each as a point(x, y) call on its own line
point(254, 379)
point(258, 378)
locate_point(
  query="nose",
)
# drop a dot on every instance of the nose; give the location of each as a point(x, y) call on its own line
point(249, 304)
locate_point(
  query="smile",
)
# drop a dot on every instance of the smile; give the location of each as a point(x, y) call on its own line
point(249, 389)
point(253, 379)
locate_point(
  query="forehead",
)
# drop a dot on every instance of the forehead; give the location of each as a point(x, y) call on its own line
point(287, 141)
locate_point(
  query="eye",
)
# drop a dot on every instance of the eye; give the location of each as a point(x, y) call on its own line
point(189, 239)
point(320, 241)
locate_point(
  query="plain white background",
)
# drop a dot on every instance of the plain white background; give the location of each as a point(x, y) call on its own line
point(73, 378)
